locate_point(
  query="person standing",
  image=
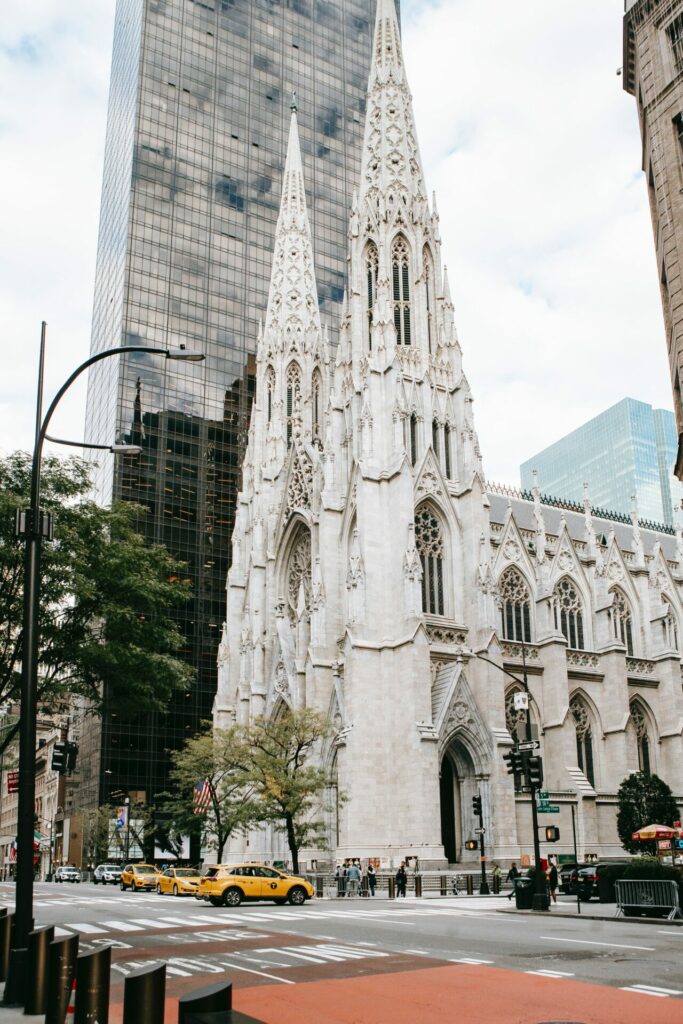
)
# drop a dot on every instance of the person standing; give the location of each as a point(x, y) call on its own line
point(372, 879)
point(552, 881)
point(353, 878)
point(401, 880)
point(341, 881)
point(511, 877)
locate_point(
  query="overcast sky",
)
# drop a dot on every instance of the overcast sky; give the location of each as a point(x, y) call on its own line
point(528, 139)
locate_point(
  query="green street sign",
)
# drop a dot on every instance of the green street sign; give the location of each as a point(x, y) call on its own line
point(548, 809)
point(541, 796)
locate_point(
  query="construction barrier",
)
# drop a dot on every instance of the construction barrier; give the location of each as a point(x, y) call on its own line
point(61, 972)
point(144, 993)
point(37, 959)
point(638, 896)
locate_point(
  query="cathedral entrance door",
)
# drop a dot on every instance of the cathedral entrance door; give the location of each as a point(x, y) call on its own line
point(457, 787)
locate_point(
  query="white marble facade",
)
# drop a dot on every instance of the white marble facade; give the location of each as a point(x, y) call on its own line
point(371, 562)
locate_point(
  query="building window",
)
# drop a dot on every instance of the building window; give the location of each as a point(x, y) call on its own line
point(400, 263)
point(642, 736)
point(293, 397)
point(429, 544)
point(622, 624)
point(670, 627)
point(515, 608)
point(371, 265)
point(316, 388)
point(675, 33)
point(584, 737)
point(413, 439)
point(429, 295)
point(435, 437)
point(299, 572)
point(569, 613)
point(270, 391)
point(447, 450)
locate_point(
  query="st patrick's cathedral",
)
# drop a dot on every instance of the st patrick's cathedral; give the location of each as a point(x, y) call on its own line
point(373, 568)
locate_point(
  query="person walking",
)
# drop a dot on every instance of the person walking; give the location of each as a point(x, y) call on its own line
point(353, 878)
point(401, 880)
point(372, 879)
point(511, 877)
point(552, 881)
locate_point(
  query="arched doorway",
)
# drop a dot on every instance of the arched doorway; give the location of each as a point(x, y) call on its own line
point(458, 785)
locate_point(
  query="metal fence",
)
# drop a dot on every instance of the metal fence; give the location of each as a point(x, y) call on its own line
point(635, 895)
point(423, 883)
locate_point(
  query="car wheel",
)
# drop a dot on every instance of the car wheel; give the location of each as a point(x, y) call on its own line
point(280, 900)
point(232, 897)
point(158, 889)
point(94, 881)
point(122, 886)
point(175, 890)
point(216, 901)
point(297, 896)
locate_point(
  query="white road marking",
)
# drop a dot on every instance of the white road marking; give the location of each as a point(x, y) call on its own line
point(250, 970)
point(469, 960)
point(148, 922)
point(175, 920)
point(89, 929)
point(417, 952)
point(643, 991)
point(665, 991)
point(123, 926)
point(589, 942)
point(551, 974)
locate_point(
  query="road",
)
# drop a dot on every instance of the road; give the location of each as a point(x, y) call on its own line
point(364, 960)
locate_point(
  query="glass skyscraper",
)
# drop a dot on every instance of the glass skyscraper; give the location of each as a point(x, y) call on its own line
point(196, 139)
point(628, 450)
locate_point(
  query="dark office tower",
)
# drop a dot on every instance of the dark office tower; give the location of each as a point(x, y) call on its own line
point(196, 141)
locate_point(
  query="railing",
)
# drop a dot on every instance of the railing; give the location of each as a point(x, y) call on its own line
point(635, 896)
point(519, 651)
point(422, 883)
point(640, 666)
point(583, 659)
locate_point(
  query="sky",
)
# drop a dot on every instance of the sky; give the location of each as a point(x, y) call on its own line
point(527, 138)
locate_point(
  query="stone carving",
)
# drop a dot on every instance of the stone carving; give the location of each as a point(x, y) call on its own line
point(519, 652)
point(299, 572)
point(511, 550)
point(640, 667)
point(429, 484)
point(583, 659)
point(446, 636)
point(565, 560)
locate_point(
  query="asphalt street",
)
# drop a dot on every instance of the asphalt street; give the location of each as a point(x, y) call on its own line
point(336, 939)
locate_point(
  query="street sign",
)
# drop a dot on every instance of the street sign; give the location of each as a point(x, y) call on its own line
point(678, 844)
point(521, 701)
point(528, 745)
point(479, 831)
point(541, 795)
point(12, 782)
point(548, 809)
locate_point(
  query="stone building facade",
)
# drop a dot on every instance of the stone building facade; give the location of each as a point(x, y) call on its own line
point(377, 577)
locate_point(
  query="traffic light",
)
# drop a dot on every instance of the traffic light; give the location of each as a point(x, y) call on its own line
point(516, 761)
point(535, 771)
point(552, 833)
point(471, 844)
point(71, 756)
point(59, 758)
point(476, 805)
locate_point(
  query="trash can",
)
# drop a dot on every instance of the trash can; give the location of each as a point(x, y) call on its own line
point(524, 893)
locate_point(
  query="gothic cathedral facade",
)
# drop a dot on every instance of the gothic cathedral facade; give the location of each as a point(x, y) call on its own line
point(376, 578)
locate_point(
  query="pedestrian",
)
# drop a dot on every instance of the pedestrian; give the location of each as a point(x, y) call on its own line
point(353, 878)
point(511, 877)
point(552, 881)
point(401, 880)
point(372, 879)
point(341, 881)
point(496, 874)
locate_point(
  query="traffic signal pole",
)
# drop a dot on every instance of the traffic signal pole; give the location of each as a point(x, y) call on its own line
point(483, 885)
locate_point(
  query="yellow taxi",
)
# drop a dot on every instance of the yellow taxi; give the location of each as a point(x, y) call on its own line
point(138, 876)
point(179, 881)
point(228, 885)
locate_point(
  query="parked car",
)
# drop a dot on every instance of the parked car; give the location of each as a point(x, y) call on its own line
point(568, 878)
point(179, 881)
point(107, 873)
point(67, 875)
point(588, 878)
point(138, 876)
point(228, 886)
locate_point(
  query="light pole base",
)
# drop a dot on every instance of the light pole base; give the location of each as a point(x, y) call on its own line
point(540, 901)
point(484, 889)
point(15, 988)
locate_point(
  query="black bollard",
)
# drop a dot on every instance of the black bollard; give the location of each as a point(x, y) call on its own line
point(61, 971)
point(470, 884)
point(392, 888)
point(38, 956)
point(5, 942)
point(92, 987)
point(209, 1005)
point(443, 885)
point(418, 885)
point(319, 886)
point(144, 995)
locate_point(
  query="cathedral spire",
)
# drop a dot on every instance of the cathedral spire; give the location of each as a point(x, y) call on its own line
point(292, 299)
point(391, 171)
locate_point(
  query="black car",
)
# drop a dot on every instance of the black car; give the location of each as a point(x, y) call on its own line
point(568, 878)
point(588, 879)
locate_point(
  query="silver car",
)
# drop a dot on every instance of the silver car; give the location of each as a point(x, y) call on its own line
point(107, 873)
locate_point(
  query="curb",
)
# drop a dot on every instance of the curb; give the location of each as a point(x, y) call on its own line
point(596, 917)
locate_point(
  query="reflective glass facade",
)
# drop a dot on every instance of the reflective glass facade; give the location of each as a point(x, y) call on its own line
point(630, 449)
point(196, 141)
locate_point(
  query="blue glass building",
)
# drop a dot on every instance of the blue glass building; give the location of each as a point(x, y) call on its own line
point(627, 451)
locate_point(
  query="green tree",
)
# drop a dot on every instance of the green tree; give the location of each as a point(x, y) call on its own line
point(643, 800)
point(284, 763)
point(104, 625)
point(218, 758)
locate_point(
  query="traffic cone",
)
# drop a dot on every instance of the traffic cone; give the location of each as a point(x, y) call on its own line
point(71, 1008)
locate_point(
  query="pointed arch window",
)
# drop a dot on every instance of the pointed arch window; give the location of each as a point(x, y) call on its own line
point(430, 547)
point(293, 397)
point(270, 392)
point(584, 737)
point(429, 294)
point(670, 626)
point(413, 438)
point(447, 450)
point(569, 613)
point(400, 270)
point(371, 268)
point(299, 572)
point(640, 726)
point(515, 607)
point(622, 620)
point(316, 399)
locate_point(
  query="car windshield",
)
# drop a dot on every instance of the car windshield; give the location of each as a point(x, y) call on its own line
point(187, 873)
point(109, 867)
point(144, 869)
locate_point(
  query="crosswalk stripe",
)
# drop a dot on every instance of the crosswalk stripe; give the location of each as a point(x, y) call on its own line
point(175, 920)
point(148, 922)
point(643, 991)
point(295, 953)
point(657, 988)
point(123, 926)
point(89, 929)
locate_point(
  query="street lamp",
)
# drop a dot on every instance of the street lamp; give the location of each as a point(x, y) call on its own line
point(33, 526)
point(540, 901)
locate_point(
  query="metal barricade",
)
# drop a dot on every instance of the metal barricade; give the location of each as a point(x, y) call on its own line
point(641, 894)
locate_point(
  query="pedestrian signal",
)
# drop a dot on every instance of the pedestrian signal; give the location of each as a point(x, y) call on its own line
point(471, 844)
point(552, 833)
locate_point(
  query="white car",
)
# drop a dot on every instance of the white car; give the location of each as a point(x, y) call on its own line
point(105, 873)
point(67, 875)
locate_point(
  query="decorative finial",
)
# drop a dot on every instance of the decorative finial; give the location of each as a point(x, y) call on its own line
point(292, 106)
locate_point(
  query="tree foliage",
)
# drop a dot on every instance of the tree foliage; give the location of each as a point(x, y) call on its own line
point(104, 626)
point(284, 765)
point(643, 800)
point(220, 758)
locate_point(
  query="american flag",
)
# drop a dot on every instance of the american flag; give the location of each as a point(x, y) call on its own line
point(201, 796)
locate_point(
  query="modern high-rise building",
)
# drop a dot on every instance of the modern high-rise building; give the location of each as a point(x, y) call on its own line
point(653, 73)
point(196, 140)
point(626, 452)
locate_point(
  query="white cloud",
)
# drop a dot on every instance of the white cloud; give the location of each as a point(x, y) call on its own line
point(528, 139)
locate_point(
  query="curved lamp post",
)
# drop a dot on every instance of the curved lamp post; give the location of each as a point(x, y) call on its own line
point(539, 898)
point(34, 525)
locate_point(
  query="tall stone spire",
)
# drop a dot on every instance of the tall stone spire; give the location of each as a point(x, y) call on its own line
point(293, 299)
point(391, 169)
